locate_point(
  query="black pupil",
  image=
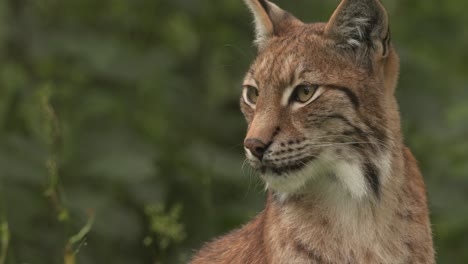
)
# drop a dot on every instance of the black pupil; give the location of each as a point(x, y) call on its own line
point(306, 90)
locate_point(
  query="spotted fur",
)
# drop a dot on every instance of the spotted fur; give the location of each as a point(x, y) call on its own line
point(343, 188)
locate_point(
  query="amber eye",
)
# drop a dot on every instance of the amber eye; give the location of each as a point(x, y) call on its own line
point(250, 94)
point(304, 93)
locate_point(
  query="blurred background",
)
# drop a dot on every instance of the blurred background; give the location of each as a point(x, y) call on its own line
point(121, 135)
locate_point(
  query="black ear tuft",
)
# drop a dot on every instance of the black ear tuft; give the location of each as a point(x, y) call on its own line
point(360, 25)
point(264, 5)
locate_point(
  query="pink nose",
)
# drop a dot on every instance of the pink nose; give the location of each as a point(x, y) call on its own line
point(256, 147)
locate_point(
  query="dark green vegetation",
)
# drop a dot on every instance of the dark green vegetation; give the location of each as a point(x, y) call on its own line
point(122, 116)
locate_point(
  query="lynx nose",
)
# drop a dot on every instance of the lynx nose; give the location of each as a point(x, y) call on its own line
point(256, 147)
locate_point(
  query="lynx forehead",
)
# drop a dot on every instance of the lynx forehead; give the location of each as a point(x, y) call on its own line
point(324, 135)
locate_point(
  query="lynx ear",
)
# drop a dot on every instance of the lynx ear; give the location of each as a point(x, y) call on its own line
point(360, 25)
point(270, 20)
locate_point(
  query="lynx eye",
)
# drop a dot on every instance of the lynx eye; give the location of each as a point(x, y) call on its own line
point(303, 93)
point(250, 95)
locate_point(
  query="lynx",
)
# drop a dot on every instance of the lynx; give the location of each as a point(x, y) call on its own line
point(324, 135)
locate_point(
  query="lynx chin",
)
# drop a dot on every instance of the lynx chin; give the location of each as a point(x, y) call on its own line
point(324, 134)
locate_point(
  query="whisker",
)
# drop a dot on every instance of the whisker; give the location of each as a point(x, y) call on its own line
point(236, 146)
point(378, 143)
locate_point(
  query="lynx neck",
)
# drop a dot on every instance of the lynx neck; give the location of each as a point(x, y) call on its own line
point(327, 224)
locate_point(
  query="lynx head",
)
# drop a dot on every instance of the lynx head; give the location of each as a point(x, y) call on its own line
point(319, 99)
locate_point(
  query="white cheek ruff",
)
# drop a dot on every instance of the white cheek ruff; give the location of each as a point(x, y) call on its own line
point(348, 174)
point(352, 177)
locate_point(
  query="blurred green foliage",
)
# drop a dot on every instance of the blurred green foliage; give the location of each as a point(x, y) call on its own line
point(128, 109)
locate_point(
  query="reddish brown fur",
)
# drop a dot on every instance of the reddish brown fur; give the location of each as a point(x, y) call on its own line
point(376, 213)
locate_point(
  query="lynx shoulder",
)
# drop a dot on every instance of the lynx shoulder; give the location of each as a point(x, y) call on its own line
point(324, 135)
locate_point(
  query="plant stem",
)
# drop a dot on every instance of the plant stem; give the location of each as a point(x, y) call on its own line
point(4, 240)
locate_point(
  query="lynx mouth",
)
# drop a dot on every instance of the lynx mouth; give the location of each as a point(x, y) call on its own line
point(292, 175)
point(286, 168)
